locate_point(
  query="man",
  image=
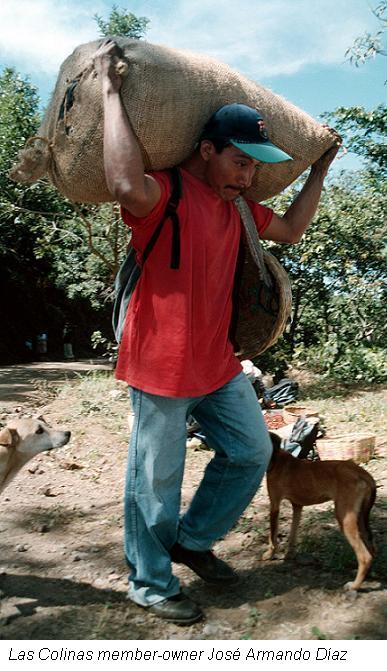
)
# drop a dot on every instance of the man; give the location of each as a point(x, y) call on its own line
point(175, 353)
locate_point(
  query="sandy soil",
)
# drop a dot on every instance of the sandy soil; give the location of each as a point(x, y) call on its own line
point(62, 572)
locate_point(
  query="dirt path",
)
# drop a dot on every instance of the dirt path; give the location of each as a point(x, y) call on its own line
point(62, 573)
point(24, 383)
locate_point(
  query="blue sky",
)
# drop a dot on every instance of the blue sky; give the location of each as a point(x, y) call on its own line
point(294, 47)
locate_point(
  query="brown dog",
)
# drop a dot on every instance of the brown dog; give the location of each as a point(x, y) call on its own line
point(21, 440)
point(306, 483)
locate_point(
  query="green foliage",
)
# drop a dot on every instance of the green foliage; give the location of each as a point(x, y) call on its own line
point(104, 346)
point(86, 249)
point(23, 208)
point(369, 45)
point(345, 362)
point(18, 121)
point(338, 281)
point(57, 258)
point(122, 23)
point(44, 243)
point(18, 116)
point(317, 633)
point(364, 133)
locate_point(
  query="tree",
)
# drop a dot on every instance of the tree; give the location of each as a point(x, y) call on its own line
point(58, 259)
point(364, 133)
point(369, 45)
point(19, 119)
point(338, 278)
point(122, 23)
point(71, 251)
point(24, 276)
point(85, 245)
point(100, 238)
point(89, 246)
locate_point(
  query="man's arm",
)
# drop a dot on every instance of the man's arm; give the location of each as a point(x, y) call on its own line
point(124, 167)
point(291, 227)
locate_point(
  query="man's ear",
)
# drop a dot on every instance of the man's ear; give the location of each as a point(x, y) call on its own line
point(8, 437)
point(206, 149)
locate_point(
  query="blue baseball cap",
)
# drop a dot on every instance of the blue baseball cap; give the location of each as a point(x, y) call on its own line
point(244, 128)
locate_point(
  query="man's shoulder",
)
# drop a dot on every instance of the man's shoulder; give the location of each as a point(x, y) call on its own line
point(256, 206)
point(261, 213)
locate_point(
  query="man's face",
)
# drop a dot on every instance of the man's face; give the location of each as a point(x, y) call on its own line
point(229, 173)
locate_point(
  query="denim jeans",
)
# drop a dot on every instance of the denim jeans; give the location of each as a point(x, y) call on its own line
point(233, 424)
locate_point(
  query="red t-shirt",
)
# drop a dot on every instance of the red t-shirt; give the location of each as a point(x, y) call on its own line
point(175, 340)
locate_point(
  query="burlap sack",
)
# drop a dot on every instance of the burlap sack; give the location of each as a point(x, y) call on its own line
point(168, 96)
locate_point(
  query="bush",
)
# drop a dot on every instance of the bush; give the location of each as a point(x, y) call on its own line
point(349, 363)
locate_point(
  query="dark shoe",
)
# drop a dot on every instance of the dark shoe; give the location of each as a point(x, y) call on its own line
point(178, 609)
point(205, 565)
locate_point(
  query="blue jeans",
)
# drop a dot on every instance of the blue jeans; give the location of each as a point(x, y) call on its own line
point(233, 424)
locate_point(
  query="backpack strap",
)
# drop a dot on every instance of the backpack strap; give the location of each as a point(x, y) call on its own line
point(169, 213)
point(129, 271)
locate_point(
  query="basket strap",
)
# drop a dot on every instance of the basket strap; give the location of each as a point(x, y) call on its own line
point(253, 239)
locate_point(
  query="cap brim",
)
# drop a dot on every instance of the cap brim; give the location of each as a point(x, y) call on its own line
point(265, 152)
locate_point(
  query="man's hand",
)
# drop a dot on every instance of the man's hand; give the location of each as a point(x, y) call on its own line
point(291, 227)
point(105, 63)
point(123, 162)
point(322, 164)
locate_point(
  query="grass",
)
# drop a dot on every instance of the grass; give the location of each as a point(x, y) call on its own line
point(349, 410)
point(343, 409)
point(317, 633)
point(246, 525)
point(97, 395)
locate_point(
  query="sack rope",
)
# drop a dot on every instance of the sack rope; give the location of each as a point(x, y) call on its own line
point(253, 239)
point(40, 138)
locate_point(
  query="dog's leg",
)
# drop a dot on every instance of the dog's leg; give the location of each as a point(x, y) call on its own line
point(274, 513)
point(349, 523)
point(297, 511)
point(365, 529)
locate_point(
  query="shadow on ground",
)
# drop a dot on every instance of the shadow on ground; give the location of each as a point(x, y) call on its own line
point(18, 384)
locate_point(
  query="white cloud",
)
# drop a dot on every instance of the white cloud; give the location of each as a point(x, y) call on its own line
point(36, 35)
point(265, 39)
point(261, 39)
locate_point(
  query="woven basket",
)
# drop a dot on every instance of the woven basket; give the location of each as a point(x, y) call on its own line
point(381, 446)
point(257, 328)
point(293, 412)
point(358, 447)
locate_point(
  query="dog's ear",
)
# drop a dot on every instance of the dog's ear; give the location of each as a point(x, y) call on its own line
point(40, 418)
point(275, 439)
point(8, 437)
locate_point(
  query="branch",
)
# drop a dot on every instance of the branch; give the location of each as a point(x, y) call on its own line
point(64, 232)
point(87, 226)
point(43, 214)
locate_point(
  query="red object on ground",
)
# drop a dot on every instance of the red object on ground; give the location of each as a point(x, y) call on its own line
point(274, 420)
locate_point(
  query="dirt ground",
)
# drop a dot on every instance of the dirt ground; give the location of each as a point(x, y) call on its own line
point(62, 572)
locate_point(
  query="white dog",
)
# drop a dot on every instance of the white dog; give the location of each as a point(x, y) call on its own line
point(21, 440)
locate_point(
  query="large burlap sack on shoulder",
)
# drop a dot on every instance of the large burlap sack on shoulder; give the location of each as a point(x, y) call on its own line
point(168, 96)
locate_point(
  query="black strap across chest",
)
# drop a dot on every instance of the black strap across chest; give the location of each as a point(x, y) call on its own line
point(169, 213)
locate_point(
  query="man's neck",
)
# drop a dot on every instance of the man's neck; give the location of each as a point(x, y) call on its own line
point(195, 165)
